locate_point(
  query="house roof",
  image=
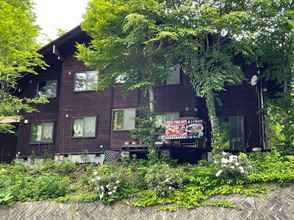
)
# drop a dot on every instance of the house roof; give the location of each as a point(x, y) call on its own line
point(68, 38)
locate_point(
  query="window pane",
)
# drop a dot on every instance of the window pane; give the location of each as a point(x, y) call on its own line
point(81, 82)
point(161, 119)
point(118, 116)
point(173, 76)
point(47, 132)
point(36, 133)
point(78, 128)
point(89, 126)
point(48, 88)
point(237, 132)
point(92, 80)
point(129, 119)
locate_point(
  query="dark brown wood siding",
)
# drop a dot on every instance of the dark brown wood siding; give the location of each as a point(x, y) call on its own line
point(237, 100)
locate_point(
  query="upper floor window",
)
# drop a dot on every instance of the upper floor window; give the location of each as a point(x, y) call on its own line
point(42, 132)
point(47, 88)
point(124, 119)
point(86, 81)
point(174, 75)
point(85, 127)
point(160, 120)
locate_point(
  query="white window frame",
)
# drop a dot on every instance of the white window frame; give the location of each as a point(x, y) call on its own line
point(87, 78)
point(124, 128)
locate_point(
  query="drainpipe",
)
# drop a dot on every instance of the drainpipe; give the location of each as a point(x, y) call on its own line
point(262, 126)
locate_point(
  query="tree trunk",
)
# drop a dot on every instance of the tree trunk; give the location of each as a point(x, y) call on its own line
point(152, 147)
point(215, 129)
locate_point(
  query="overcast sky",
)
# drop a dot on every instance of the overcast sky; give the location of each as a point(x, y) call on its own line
point(58, 14)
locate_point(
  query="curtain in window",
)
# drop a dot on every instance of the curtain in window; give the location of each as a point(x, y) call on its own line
point(237, 132)
point(48, 88)
point(173, 76)
point(92, 80)
point(80, 82)
point(47, 132)
point(36, 133)
point(129, 119)
point(78, 128)
point(161, 119)
point(90, 126)
point(118, 116)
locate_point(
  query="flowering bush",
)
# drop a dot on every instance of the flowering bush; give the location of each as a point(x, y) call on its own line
point(232, 165)
point(107, 186)
point(163, 179)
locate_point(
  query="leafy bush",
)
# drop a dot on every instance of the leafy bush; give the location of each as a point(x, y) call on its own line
point(50, 187)
point(232, 166)
point(164, 179)
point(5, 198)
point(146, 183)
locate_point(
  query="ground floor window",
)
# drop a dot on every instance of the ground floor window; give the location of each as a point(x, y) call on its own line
point(161, 119)
point(124, 119)
point(233, 132)
point(237, 133)
point(42, 132)
point(85, 127)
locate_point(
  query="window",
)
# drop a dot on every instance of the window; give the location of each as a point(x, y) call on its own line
point(163, 118)
point(84, 127)
point(124, 119)
point(47, 88)
point(237, 133)
point(173, 76)
point(42, 132)
point(86, 81)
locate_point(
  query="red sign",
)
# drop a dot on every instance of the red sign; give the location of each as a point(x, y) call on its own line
point(184, 129)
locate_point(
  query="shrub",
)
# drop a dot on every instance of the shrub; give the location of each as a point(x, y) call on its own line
point(232, 166)
point(5, 198)
point(107, 186)
point(50, 187)
point(164, 179)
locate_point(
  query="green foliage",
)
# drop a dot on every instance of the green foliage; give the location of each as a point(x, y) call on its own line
point(144, 183)
point(5, 198)
point(164, 179)
point(18, 56)
point(222, 203)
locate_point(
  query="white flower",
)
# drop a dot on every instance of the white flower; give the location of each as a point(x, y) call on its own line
point(218, 173)
point(117, 182)
point(224, 153)
point(109, 193)
point(95, 173)
point(98, 178)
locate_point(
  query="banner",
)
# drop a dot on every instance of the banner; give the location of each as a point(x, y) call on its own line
point(184, 129)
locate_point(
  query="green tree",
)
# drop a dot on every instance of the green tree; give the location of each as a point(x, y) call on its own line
point(18, 56)
point(141, 39)
point(127, 43)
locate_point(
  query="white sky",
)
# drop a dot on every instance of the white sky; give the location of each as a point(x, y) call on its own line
point(58, 14)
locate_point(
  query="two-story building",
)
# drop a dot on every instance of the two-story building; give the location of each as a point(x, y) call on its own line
point(80, 119)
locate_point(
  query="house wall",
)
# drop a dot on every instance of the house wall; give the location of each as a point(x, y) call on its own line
point(70, 105)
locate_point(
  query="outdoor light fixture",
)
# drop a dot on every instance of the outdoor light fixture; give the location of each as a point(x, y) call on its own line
point(253, 80)
point(26, 121)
